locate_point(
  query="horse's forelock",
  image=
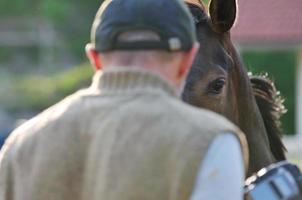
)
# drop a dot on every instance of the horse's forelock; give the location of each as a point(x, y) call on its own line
point(197, 3)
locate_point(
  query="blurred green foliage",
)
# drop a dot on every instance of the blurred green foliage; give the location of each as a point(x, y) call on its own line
point(71, 18)
point(206, 1)
point(281, 68)
point(37, 92)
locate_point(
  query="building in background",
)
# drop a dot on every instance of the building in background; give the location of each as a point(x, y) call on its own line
point(267, 25)
point(273, 24)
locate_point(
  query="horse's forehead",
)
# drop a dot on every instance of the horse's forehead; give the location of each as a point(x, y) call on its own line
point(195, 2)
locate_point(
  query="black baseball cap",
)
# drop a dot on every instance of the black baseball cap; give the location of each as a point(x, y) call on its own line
point(170, 20)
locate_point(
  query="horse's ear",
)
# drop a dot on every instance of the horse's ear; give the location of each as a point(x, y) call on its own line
point(223, 14)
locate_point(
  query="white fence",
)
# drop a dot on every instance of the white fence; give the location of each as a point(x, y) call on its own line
point(294, 149)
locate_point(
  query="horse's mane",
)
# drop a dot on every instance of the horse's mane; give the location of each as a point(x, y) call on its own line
point(268, 98)
point(271, 107)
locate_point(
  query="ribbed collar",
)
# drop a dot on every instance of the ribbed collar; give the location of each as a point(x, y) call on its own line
point(124, 80)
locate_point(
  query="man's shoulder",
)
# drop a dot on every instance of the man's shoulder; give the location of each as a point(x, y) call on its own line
point(65, 109)
point(49, 122)
point(202, 126)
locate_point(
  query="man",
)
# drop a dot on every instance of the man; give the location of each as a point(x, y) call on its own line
point(128, 136)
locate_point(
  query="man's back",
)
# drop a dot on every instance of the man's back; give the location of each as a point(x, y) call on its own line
point(121, 139)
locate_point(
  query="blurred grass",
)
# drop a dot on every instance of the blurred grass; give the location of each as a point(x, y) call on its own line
point(37, 92)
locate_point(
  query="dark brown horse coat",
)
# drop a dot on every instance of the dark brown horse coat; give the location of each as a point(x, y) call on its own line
point(218, 81)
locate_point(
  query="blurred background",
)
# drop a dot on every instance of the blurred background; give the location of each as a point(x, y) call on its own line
point(42, 56)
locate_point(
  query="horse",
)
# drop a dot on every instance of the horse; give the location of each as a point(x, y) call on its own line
point(218, 81)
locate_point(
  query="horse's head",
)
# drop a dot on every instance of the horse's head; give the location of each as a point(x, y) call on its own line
point(218, 81)
point(209, 83)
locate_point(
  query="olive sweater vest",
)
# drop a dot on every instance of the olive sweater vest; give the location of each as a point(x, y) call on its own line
point(126, 137)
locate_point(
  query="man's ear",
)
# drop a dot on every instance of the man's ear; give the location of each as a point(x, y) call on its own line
point(187, 61)
point(93, 57)
point(223, 14)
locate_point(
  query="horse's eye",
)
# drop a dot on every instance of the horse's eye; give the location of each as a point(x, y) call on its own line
point(216, 86)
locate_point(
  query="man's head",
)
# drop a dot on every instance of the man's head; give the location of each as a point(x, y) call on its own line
point(156, 35)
